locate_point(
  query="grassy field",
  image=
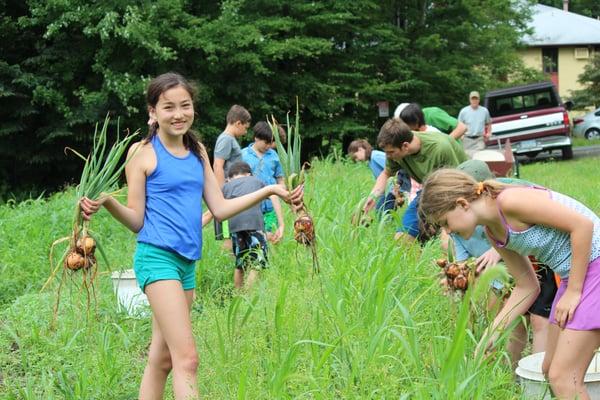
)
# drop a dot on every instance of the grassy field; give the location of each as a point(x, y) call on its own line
point(372, 325)
point(579, 142)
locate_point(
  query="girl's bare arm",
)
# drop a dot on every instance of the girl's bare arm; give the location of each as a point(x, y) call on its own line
point(131, 215)
point(223, 208)
point(524, 293)
point(530, 207)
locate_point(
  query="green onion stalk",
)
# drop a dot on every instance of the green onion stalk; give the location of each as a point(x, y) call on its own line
point(101, 173)
point(294, 171)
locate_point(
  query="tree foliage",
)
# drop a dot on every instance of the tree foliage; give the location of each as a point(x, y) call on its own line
point(590, 80)
point(65, 63)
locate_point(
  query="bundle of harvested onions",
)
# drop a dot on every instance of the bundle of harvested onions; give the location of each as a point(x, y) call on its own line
point(457, 275)
point(293, 169)
point(100, 175)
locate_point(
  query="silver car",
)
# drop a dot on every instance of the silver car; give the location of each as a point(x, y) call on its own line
point(588, 126)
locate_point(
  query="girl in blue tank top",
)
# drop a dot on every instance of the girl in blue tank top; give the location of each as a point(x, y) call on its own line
point(561, 232)
point(168, 174)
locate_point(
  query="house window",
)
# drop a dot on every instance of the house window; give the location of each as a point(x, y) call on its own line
point(550, 59)
point(582, 53)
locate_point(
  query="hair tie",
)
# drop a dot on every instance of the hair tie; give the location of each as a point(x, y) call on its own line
point(480, 188)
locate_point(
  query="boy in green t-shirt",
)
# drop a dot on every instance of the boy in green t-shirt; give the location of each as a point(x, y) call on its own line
point(417, 153)
point(423, 119)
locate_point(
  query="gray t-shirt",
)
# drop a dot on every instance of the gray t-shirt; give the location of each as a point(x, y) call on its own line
point(252, 218)
point(227, 148)
point(475, 119)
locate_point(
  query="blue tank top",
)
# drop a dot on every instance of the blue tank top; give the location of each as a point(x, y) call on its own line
point(173, 215)
point(549, 245)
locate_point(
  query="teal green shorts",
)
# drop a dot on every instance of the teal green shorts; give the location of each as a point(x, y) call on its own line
point(152, 264)
point(270, 220)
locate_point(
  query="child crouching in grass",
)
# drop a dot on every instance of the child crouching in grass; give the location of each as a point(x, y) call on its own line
point(561, 233)
point(248, 239)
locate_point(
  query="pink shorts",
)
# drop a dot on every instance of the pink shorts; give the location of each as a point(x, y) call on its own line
point(586, 317)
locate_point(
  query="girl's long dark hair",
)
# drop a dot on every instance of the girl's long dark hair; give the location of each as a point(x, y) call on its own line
point(161, 84)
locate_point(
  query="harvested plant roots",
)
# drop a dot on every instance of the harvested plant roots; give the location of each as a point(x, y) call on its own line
point(294, 176)
point(101, 172)
point(82, 254)
point(456, 276)
point(362, 219)
point(304, 229)
point(398, 195)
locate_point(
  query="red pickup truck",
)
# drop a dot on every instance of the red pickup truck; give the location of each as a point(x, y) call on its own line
point(532, 117)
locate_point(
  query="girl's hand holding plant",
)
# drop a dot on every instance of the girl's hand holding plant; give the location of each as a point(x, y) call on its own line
point(294, 198)
point(487, 259)
point(294, 176)
point(89, 207)
point(370, 202)
point(101, 171)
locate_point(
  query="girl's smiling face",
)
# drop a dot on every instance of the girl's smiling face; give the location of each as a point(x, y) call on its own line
point(460, 220)
point(174, 111)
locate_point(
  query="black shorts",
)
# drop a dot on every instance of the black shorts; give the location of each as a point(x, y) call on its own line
point(548, 288)
point(250, 249)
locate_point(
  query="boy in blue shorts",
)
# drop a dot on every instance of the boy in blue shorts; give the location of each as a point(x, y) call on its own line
point(265, 165)
point(248, 240)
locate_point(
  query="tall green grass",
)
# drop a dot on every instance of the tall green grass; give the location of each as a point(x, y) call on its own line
point(372, 325)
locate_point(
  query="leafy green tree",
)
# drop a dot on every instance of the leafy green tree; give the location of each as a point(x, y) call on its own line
point(65, 63)
point(459, 46)
point(590, 79)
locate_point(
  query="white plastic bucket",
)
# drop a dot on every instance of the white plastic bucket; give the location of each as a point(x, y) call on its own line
point(129, 295)
point(489, 155)
point(534, 385)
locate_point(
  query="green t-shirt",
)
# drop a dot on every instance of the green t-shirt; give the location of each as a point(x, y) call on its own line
point(440, 119)
point(437, 151)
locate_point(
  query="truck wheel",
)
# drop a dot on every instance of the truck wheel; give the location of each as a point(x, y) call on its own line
point(567, 152)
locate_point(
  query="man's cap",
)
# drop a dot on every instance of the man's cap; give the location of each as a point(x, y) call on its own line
point(474, 93)
point(399, 109)
point(478, 169)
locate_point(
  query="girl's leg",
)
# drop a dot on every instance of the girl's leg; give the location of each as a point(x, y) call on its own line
point(551, 341)
point(159, 361)
point(572, 355)
point(540, 327)
point(158, 368)
point(171, 308)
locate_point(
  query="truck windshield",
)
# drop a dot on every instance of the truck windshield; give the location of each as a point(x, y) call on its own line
point(522, 102)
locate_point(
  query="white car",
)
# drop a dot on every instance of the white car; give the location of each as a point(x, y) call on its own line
point(588, 126)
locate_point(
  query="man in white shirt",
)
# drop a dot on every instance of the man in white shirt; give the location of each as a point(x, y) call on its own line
point(479, 125)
